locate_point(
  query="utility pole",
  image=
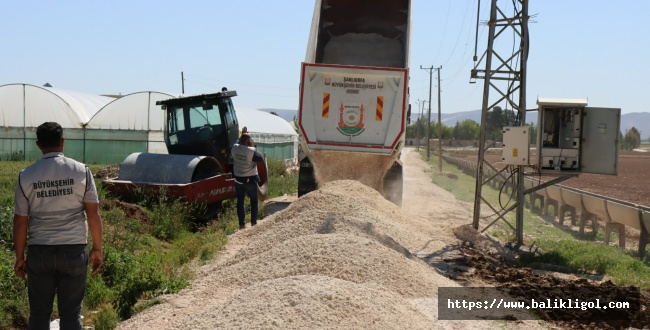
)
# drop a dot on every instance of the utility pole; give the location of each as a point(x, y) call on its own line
point(182, 83)
point(418, 129)
point(430, 70)
point(439, 125)
point(508, 80)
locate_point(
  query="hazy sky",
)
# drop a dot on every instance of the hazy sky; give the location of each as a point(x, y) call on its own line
point(591, 49)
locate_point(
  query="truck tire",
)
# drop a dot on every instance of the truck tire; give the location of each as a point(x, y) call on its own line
point(306, 177)
point(394, 184)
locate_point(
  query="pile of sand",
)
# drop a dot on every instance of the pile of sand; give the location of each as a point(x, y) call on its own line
point(339, 257)
point(344, 207)
point(312, 302)
point(346, 257)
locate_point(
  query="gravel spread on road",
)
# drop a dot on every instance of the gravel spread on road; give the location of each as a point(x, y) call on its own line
point(339, 257)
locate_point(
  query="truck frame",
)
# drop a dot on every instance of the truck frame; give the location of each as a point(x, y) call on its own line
point(354, 94)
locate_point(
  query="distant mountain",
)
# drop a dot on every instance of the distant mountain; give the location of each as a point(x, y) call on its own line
point(286, 114)
point(450, 119)
point(639, 120)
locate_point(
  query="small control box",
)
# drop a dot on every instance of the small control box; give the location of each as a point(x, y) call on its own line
point(516, 145)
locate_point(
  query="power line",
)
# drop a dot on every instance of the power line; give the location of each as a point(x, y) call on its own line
point(462, 25)
point(444, 31)
point(211, 82)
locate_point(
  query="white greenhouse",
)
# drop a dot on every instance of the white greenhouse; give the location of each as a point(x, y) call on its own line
point(104, 130)
point(272, 135)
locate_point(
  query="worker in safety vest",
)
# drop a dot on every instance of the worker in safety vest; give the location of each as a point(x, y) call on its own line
point(56, 206)
point(245, 157)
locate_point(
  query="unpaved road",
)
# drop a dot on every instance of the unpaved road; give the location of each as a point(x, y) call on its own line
point(336, 258)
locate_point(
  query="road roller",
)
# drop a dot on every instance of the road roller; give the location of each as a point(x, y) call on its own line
point(199, 133)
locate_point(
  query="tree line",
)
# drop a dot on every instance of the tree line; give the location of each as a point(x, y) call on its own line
point(497, 118)
point(468, 129)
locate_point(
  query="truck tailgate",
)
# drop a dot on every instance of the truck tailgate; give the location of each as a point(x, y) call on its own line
point(352, 108)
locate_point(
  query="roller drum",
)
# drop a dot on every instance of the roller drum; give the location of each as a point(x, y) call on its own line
point(167, 169)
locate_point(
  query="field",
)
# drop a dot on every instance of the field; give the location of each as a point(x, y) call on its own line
point(632, 183)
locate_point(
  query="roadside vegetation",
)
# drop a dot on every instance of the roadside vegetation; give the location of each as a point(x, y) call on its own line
point(144, 256)
point(547, 246)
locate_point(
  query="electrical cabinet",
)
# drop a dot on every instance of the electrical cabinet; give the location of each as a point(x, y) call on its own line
point(516, 145)
point(573, 138)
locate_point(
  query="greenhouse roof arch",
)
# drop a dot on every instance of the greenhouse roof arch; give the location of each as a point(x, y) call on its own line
point(25, 105)
point(272, 134)
point(136, 111)
point(263, 122)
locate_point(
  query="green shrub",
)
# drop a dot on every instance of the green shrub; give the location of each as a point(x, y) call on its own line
point(106, 318)
point(185, 248)
point(276, 167)
point(15, 156)
point(171, 219)
point(138, 277)
point(121, 233)
point(97, 293)
point(587, 257)
point(6, 227)
point(14, 309)
point(213, 238)
point(280, 185)
point(8, 180)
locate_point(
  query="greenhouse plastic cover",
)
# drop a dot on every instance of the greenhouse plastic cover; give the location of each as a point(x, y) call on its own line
point(26, 105)
point(265, 127)
point(137, 111)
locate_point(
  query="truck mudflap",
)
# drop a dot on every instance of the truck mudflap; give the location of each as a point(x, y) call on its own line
point(394, 184)
point(306, 177)
point(263, 185)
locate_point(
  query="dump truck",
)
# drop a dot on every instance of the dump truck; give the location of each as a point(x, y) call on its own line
point(354, 102)
point(199, 133)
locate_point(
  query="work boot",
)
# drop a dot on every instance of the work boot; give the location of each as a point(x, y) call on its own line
point(253, 223)
point(242, 226)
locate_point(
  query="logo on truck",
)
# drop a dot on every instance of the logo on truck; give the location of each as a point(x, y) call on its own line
point(351, 118)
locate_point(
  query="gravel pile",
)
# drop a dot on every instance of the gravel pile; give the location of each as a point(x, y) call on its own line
point(339, 257)
point(312, 302)
point(344, 207)
point(346, 257)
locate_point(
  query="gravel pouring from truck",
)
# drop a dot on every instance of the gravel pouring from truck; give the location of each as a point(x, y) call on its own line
point(354, 95)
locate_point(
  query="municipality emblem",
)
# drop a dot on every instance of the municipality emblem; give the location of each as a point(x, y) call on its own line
point(351, 119)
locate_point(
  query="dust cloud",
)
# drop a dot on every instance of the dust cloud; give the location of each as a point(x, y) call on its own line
point(369, 169)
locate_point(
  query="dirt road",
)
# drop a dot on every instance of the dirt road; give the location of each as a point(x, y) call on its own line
point(339, 257)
